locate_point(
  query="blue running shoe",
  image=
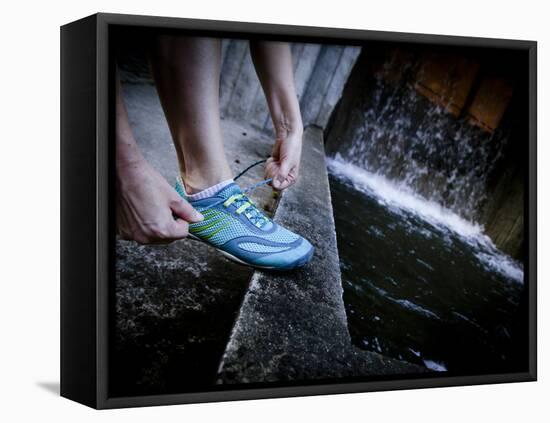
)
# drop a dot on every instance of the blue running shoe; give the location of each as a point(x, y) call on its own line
point(240, 231)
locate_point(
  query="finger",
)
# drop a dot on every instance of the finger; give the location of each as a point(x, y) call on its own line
point(285, 184)
point(185, 211)
point(174, 230)
point(285, 168)
point(281, 185)
point(270, 171)
point(178, 229)
point(279, 181)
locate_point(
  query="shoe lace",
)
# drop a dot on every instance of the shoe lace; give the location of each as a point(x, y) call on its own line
point(242, 202)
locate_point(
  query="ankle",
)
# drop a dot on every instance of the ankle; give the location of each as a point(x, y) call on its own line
point(194, 184)
point(210, 191)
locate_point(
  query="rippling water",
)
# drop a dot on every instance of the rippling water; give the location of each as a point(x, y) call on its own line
point(421, 283)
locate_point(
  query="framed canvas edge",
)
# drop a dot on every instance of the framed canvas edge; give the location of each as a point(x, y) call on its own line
point(531, 213)
point(311, 390)
point(269, 29)
point(104, 225)
point(103, 204)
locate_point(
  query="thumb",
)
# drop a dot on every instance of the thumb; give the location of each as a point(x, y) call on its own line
point(282, 174)
point(185, 211)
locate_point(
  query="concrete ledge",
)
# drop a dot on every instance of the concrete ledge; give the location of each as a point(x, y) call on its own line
point(176, 304)
point(293, 326)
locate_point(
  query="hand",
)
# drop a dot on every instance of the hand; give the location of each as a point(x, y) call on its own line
point(284, 164)
point(147, 204)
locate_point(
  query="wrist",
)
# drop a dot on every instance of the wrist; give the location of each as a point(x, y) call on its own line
point(285, 112)
point(123, 164)
point(128, 154)
point(288, 125)
point(128, 168)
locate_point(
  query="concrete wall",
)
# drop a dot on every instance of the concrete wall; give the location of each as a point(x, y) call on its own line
point(320, 72)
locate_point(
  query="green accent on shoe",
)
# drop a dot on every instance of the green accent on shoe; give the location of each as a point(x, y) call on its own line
point(210, 235)
point(209, 224)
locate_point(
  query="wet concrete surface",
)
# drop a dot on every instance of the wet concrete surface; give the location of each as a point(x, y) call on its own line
point(186, 318)
point(175, 306)
point(293, 326)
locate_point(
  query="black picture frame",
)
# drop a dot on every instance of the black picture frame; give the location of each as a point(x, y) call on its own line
point(87, 224)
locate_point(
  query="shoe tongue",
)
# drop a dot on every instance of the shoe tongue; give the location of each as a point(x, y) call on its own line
point(229, 190)
point(233, 189)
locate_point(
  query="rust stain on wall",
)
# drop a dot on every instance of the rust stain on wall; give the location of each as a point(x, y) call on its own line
point(490, 102)
point(446, 80)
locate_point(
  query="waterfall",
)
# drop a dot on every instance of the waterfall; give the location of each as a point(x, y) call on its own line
point(416, 143)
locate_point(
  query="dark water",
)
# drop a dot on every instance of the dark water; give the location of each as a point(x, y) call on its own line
point(424, 286)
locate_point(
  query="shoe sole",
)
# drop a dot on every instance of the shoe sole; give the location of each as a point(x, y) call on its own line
point(231, 257)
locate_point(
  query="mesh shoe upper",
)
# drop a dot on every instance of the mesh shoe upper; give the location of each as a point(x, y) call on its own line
point(234, 225)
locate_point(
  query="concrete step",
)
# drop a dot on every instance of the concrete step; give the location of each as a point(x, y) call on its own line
point(175, 304)
point(293, 326)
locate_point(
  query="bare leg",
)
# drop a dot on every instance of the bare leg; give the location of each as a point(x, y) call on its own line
point(145, 203)
point(187, 74)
